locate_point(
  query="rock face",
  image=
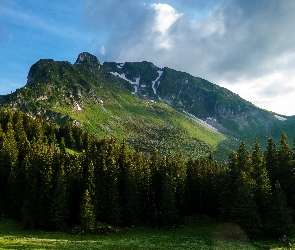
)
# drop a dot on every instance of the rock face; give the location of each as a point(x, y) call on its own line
point(88, 60)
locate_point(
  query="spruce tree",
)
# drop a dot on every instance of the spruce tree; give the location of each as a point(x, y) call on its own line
point(262, 187)
point(20, 136)
point(87, 214)
point(243, 210)
point(286, 170)
point(280, 219)
point(168, 214)
point(60, 202)
point(128, 187)
point(192, 187)
point(271, 161)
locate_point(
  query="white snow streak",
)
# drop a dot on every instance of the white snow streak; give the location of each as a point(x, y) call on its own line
point(201, 121)
point(280, 118)
point(160, 72)
point(136, 83)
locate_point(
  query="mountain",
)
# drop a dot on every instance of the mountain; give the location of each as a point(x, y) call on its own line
point(148, 106)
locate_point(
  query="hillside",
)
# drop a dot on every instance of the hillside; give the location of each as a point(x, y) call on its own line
point(88, 95)
point(196, 97)
point(147, 106)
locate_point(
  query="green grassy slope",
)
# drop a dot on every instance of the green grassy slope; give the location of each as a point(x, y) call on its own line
point(89, 95)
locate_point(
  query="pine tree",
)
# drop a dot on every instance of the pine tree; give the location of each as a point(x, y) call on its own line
point(60, 202)
point(30, 216)
point(192, 187)
point(9, 161)
point(238, 203)
point(286, 170)
point(20, 136)
point(228, 186)
point(108, 200)
point(280, 219)
point(168, 214)
point(87, 214)
point(262, 187)
point(156, 166)
point(15, 192)
point(271, 161)
point(243, 159)
point(243, 210)
point(128, 187)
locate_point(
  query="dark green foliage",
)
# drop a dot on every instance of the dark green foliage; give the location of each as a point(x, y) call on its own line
point(280, 219)
point(60, 201)
point(238, 204)
point(48, 185)
point(87, 215)
point(168, 214)
point(262, 186)
point(271, 161)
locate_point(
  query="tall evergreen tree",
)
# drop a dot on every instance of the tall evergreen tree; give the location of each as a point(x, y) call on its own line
point(280, 219)
point(168, 214)
point(128, 187)
point(60, 202)
point(271, 161)
point(192, 187)
point(87, 214)
point(286, 170)
point(262, 187)
point(20, 135)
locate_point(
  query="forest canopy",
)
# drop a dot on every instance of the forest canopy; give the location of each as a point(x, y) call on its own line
point(60, 178)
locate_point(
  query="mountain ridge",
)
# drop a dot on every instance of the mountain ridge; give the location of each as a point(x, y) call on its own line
point(144, 104)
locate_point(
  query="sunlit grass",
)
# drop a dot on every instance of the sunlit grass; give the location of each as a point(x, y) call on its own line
point(204, 236)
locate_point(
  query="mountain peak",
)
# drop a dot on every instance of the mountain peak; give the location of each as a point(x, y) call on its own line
point(87, 59)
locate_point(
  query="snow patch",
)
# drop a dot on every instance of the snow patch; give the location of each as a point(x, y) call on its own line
point(201, 121)
point(160, 72)
point(280, 118)
point(120, 65)
point(136, 83)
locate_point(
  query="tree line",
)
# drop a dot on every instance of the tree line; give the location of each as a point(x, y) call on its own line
point(47, 186)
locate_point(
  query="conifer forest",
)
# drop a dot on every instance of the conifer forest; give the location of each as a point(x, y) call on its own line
point(62, 178)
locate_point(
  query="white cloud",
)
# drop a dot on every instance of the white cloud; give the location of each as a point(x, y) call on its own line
point(247, 46)
point(274, 91)
point(165, 17)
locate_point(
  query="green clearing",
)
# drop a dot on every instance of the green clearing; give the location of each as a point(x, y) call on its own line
point(204, 236)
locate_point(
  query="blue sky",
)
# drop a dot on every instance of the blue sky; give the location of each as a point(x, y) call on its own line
point(245, 46)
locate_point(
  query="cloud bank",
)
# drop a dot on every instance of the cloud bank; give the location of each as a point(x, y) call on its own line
point(246, 46)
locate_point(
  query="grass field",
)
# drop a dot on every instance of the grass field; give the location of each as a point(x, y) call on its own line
point(204, 236)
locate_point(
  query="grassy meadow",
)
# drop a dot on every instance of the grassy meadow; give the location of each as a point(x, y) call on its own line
point(204, 236)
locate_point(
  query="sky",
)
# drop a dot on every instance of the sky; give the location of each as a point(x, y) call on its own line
point(246, 46)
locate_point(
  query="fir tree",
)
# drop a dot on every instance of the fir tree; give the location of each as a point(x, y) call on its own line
point(60, 202)
point(168, 214)
point(262, 187)
point(286, 170)
point(87, 215)
point(280, 220)
point(271, 161)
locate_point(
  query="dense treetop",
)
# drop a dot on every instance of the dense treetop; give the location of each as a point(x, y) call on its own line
point(60, 177)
